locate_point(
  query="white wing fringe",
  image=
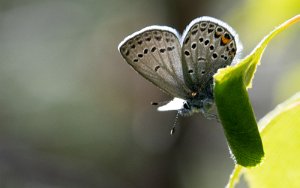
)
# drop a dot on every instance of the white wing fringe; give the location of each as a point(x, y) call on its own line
point(175, 104)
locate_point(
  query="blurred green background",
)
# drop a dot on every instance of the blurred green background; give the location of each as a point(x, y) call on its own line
point(74, 114)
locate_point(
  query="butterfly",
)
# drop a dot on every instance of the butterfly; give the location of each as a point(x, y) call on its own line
point(183, 66)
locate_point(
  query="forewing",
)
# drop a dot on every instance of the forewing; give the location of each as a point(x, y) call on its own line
point(207, 45)
point(155, 53)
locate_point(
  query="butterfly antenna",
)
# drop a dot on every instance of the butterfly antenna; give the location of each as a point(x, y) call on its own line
point(174, 125)
point(154, 103)
point(159, 103)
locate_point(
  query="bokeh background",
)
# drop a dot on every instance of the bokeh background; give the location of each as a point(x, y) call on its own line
point(74, 114)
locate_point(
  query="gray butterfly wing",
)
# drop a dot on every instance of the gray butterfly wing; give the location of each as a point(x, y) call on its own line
point(155, 53)
point(207, 45)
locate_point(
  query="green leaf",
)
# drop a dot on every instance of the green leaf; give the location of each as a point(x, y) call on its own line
point(234, 108)
point(281, 137)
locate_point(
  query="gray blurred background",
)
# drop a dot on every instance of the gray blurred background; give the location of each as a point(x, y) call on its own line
point(74, 114)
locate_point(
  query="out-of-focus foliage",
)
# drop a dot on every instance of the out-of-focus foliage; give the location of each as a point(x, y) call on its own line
point(288, 82)
point(256, 18)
